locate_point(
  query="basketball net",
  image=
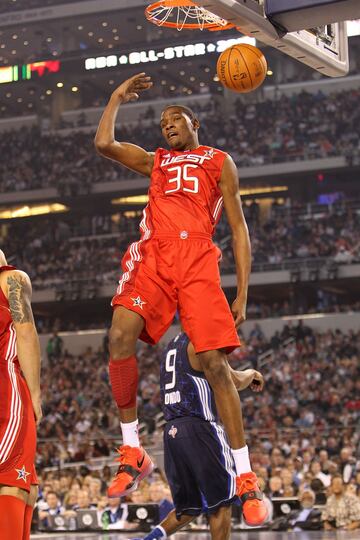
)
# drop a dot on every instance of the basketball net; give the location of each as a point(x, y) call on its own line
point(184, 14)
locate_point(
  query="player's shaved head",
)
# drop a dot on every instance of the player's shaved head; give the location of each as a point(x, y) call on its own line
point(179, 126)
point(3, 261)
point(186, 110)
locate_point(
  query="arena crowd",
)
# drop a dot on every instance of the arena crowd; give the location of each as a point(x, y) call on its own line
point(306, 126)
point(69, 247)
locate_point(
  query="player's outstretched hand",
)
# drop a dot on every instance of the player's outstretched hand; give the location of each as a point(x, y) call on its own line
point(129, 90)
point(257, 384)
point(249, 378)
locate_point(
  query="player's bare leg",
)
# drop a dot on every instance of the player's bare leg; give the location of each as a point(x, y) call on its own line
point(12, 512)
point(220, 524)
point(169, 525)
point(217, 372)
point(135, 464)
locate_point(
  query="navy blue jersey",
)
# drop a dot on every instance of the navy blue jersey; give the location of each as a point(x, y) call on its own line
point(184, 391)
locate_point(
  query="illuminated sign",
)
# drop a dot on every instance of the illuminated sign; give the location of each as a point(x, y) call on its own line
point(168, 53)
point(9, 74)
point(25, 72)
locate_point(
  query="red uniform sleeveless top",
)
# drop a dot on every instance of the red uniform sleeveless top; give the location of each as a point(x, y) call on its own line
point(13, 389)
point(184, 192)
point(8, 352)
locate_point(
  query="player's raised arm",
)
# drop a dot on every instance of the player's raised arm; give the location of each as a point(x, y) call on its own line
point(229, 185)
point(131, 156)
point(28, 349)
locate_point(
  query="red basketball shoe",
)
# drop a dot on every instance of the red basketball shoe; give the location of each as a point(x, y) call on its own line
point(135, 465)
point(253, 506)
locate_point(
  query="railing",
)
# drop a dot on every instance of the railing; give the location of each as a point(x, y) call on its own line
point(312, 209)
point(291, 265)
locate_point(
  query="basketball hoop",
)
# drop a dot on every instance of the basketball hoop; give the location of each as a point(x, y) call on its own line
point(184, 14)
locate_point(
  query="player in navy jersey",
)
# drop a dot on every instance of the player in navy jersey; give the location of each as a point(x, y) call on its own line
point(198, 461)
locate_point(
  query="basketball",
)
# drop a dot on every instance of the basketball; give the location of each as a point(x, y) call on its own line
point(241, 68)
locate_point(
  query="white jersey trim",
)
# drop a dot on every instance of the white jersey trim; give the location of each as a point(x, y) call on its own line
point(218, 207)
point(204, 397)
point(135, 254)
point(229, 460)
point(13, 426)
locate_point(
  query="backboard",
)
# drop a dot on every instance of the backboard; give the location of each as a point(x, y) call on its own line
point(324, 48)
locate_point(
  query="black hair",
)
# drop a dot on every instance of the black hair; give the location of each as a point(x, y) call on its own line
point(189, 112)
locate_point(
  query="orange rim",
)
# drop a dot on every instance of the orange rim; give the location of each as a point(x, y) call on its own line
point(151, 17)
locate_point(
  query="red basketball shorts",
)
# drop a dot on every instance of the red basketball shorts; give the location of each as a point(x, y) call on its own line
point(17, 430)
point(178, 272)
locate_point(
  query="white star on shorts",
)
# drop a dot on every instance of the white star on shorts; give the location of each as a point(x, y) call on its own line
point(22, 474)
point(138, 302)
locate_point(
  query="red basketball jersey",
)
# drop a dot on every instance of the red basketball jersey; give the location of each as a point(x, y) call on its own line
point(11, 391)
point(184, 192)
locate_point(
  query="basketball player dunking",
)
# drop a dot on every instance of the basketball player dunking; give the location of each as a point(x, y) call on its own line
point(20, 403)
point(175, 266)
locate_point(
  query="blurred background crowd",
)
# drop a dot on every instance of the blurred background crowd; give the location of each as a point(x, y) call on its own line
point(306, 126)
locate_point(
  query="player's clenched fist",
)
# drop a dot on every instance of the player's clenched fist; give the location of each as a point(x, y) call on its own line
point(238, 310)
point(129, 90)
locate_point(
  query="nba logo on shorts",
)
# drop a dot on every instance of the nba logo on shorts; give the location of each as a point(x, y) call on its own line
point(172, 432)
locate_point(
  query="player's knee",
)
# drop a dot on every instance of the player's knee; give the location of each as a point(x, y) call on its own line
point(121, 343)
point(33, 495)
point(215, 367)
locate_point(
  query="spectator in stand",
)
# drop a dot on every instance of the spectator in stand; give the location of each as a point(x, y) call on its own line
point(54, 348)
point(159, 493)
point(115, 514)
point(275, 487)
point(83, 501)
point(94, 491)
point(347, 464)
point(316, 472)
point(53, 507)
point(307, 518)
point(342, 511)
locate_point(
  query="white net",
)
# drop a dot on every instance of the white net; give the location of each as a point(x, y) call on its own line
point(184, 16)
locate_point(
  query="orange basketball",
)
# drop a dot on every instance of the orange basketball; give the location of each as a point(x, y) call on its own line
point(241, 68)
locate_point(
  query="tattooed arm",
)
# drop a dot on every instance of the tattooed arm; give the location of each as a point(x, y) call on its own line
point(19, 295)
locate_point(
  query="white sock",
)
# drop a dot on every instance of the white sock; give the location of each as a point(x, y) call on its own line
point(130, 433)
point(242, 461)
point(164, 535)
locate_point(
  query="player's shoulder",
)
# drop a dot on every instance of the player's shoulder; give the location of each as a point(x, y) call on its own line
point(17, 276)
point(15, 281)
point(18, 273)
point(215, 153)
